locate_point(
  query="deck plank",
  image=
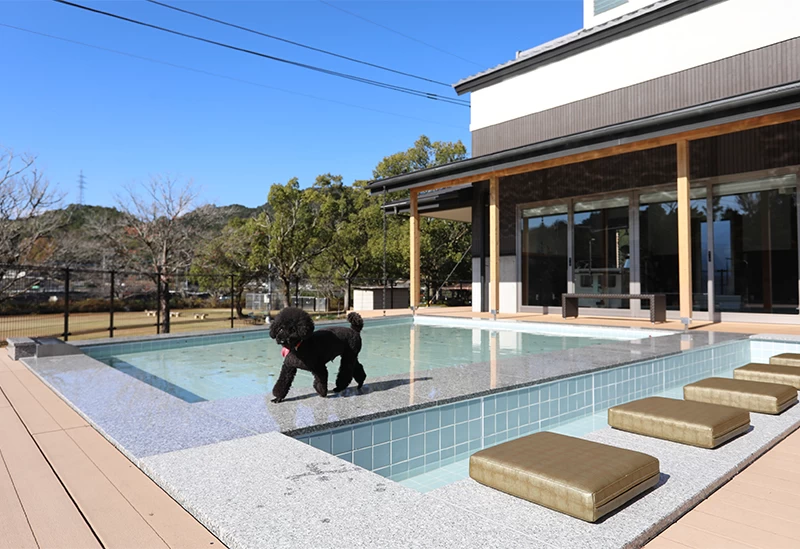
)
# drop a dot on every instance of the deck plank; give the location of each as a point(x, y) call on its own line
point(176, 527)
point(15, 532)
point(699, 539)
point(743, 533)
point(114, 520)
point(4, 403)
point(52, 515)
point(720, 507)
point(66, 417)
point(33, 414)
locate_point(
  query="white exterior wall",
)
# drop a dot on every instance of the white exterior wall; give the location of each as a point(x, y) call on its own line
point(508, 284)
point(592, 20)
point(719, 31)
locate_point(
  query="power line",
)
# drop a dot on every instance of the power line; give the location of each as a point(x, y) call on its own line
point(298, 44)
point(217, 75)
point(400, 33)
point(376, 83)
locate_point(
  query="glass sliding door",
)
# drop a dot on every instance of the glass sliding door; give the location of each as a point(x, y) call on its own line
point(755, 246)
point(544, 255)
point(601, 234)
point(658, 246)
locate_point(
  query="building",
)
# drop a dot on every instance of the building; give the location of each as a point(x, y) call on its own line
point(656, 150)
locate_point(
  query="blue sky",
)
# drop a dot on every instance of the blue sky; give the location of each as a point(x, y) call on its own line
point(122, 119)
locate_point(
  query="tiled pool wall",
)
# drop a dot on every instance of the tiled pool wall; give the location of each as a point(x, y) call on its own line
point(762, 350)
point(572, 330)
point(106, 350)
point(411, 443)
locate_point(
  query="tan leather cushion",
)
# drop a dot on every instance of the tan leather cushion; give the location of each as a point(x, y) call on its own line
point(756, 396)
point(695, 423)
point(578, 477)
point(786, 359)
point(770, 373)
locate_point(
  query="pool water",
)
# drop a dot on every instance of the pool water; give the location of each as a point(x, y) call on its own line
point(212, 371)
point(459, 470)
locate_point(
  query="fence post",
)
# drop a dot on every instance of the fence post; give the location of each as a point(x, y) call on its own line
point(232, 310)
point(66, 304)
point(158, 300)
point(111, 309)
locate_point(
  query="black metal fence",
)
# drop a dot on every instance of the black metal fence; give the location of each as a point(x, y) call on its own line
point(83, 303)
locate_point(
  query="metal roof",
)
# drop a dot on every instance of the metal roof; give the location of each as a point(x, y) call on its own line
point(574, 42)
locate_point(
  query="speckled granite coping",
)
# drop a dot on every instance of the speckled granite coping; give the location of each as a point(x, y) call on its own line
point(272, 491)
point(148, 421)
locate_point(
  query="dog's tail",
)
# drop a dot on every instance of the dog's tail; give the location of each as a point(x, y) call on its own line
point(356, 322)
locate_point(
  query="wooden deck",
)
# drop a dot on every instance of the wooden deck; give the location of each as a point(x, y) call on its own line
point(62, 485)
point(757, 508)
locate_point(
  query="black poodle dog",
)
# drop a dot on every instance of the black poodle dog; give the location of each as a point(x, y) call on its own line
point(306, 349)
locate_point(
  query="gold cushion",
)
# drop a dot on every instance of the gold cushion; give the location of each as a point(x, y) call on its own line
point(770, 373)
point(578, 477)
point(687, 422)
point(786, 359)
point(756, 396)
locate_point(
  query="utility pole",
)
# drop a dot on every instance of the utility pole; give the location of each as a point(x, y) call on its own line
point(81, 187)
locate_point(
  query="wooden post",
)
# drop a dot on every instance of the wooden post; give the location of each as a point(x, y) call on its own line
point(684, 232)
point(414, 251)
point(494, 244)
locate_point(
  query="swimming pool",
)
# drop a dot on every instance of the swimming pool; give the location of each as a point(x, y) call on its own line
point(209, 368)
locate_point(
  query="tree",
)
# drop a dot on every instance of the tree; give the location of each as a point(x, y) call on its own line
point(297, 226)
point(152, 235)
point(230, 252)
point(26, 222)
point(444, 244)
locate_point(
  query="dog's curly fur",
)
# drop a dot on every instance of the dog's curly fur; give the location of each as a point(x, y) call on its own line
point(311, 350)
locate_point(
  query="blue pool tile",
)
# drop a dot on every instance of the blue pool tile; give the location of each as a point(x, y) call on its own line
point(475, 409)
point(432, 458)
point(524, 398)
point(488, 425)
point(500, 421)
point(501, 437)
point(462, 433)
point(381, 455)
point(432, 441)
point(448, 453)
point(322, 441)
point(489, 407)
point(462, 450)
point(400, 427)
point(432, 419)
point(488, 441)
point(513, 418)
point(523, 415)
point(544, 394)
point(500, 403)
point(385, 472)
point(416, 465)
point(533, 413)
point(512, 400)
point(416, 446)
point(381, 432)
point(447, 437)
point(513, 433)
point(347, 457)
point(363, 458)
point(399, 468)
point(475, 429)
point(341, 441)
point(362, 436)
point(447, 415)
point(416, 423)
point(399, 450)
point(475, 445)
point(563, 388)
point(304, 440)
point(553, 411)
point(462, 412)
